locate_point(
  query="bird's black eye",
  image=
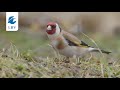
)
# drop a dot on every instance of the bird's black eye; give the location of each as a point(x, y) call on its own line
point(53, 26)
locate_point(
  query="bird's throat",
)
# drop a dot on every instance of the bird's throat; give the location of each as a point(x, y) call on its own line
point(50, 32)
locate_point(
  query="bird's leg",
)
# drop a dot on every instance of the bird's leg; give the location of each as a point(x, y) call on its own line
point(78, 60)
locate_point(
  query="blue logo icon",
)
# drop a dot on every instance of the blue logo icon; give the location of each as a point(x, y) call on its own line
point(11, 20)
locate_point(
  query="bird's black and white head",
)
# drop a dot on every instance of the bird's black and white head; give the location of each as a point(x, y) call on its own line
point(53, 29)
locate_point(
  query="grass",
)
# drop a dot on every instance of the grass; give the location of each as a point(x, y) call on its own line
point(13, 66)
point(25, 56)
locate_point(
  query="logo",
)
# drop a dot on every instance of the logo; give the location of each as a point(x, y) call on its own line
point(11, 21)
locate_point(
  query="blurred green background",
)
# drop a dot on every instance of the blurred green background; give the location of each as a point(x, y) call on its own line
point(102, 27)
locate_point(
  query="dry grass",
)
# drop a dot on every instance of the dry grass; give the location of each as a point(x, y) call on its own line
point(14, 64)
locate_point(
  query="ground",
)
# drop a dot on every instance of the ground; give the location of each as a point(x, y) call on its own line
point(26, 55)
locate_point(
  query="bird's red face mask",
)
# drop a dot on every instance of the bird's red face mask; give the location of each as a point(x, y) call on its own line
point(51, 28)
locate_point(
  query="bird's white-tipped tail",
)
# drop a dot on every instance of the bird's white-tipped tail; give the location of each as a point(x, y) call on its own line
point(92, 49)
point(97, 50)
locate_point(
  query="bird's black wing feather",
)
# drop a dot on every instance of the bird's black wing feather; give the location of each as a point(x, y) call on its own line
point(70, 43)
point(73, 41)
point(84, 44)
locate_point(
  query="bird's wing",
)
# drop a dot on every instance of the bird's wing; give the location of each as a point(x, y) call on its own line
point(72, 40)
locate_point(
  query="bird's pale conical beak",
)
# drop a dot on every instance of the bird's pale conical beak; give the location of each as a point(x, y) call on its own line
point(49, 28)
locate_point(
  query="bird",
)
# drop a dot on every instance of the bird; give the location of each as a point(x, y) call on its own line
point(66, 43)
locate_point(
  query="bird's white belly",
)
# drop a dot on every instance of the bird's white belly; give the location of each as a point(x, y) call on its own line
point(71, 51)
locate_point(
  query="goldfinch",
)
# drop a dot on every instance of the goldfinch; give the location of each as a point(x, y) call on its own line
point(66, 43)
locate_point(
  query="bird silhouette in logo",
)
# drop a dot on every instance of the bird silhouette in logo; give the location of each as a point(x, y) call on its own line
point(11, 20)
